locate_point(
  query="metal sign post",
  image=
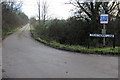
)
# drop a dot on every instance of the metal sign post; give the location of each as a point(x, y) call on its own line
point(104, 43)
point(104, 36)
point(104, 20)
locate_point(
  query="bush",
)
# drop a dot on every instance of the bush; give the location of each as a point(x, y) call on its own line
point(69, 31)
point(11, 17)
point(74, 31)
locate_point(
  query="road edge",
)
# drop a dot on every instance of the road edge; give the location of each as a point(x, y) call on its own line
point(70, 50)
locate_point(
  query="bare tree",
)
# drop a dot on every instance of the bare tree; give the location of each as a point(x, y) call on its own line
point(12, 4)
point(90, 10)
point(39, 9)
point(44, 11)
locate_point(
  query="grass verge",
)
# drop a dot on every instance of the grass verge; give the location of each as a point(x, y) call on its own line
point(5, 34)
point(77, 48)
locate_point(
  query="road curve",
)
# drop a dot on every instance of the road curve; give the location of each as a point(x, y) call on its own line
point(23, 57)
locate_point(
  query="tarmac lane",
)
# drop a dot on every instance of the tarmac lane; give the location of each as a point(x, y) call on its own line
point(23, 57)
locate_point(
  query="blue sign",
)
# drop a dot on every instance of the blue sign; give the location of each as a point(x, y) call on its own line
point(104, 18)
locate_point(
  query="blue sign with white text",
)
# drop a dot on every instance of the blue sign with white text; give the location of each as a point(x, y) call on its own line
point(104, 19)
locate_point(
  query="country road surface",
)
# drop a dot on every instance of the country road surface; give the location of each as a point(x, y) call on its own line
point(23, 57)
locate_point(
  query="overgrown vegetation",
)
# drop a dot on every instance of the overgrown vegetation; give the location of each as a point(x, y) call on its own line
point(71, 32)
point(76, 48)
point(12, 17)
point(75, 30)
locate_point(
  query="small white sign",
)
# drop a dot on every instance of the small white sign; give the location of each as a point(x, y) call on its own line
point(104, 18)
point(101, 35)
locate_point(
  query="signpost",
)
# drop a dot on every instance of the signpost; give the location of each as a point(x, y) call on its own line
point(104, 20)
point(103, 31)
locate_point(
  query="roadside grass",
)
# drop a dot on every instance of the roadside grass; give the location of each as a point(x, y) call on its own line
point(5, 34)
point(76, 48)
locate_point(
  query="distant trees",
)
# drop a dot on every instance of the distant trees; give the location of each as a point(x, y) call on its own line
point(12, 16)
point(32, 20)
point(42, 11)
point(39, 10)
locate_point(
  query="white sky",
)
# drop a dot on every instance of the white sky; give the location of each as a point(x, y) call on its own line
point(57, 8)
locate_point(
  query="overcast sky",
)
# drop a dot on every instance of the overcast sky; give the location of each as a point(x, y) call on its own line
point(57, 8)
